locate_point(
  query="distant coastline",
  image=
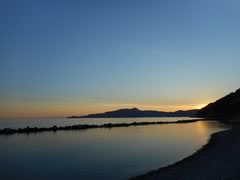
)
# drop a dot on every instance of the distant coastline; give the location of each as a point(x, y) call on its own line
point(136, 113)
point(226, 108)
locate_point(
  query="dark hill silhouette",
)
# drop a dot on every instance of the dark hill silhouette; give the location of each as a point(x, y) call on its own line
point(227, 107)
point(134, 112)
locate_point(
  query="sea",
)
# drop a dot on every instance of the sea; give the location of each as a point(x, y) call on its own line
point(102, 153)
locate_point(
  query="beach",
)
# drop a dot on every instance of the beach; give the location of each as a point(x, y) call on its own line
point(218, 159)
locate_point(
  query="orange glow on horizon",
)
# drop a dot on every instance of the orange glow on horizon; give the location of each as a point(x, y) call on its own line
point(40, 110)
point(200, 106)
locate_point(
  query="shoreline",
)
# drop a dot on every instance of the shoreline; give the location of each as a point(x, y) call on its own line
point(218, 159)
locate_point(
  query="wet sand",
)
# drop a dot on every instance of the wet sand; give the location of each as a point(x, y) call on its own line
point(219, 159)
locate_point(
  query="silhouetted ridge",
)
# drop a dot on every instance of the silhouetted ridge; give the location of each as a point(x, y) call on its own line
point(134, 112)
point(227, 107)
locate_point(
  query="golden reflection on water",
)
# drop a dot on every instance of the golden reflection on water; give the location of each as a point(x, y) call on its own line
point(120, 152)
point(193, 132)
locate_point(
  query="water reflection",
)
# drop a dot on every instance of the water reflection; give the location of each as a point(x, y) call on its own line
point(115, 153)
point(49, 122)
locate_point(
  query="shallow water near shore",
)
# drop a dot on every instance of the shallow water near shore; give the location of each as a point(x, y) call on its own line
point(116, 153)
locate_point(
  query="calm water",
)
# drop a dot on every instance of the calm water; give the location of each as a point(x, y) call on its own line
point(116, 153)
point(49, 122)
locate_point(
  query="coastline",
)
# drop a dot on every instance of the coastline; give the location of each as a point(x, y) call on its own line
point(218, 159)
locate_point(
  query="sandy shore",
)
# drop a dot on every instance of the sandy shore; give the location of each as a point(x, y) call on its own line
point(219, 159)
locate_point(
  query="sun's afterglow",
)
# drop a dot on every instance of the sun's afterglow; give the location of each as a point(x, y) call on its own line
point(200, 106)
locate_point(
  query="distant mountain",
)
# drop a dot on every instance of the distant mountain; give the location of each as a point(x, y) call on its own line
point(227, 107)
point(134, 112)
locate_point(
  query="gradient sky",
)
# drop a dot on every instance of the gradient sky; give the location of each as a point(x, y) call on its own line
point(60, 58)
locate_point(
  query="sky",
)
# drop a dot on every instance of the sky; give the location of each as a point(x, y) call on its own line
point(66, 57)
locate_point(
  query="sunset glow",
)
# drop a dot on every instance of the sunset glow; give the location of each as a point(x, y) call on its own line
point(68, 109)
point(60, 58)
point(119, 89)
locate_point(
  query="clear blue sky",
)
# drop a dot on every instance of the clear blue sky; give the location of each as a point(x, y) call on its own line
point(78, 57)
